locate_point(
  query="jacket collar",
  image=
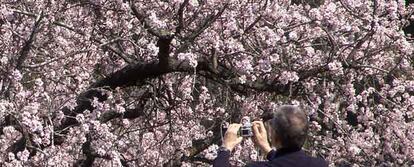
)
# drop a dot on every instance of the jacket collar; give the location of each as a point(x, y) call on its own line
point(283, 151)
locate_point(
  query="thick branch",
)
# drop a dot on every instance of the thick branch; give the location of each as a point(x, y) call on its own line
point(27, 45)
point(128, 76)
point(88, 152)
point(128, 114)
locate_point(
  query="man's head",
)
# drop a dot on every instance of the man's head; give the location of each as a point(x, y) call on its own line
point(287, 126)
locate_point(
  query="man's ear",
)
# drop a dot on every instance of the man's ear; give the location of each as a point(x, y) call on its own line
point(273, 138)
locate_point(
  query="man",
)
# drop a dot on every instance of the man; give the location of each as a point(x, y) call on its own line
point(287, 129)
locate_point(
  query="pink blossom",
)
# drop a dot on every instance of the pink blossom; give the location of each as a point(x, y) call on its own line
point(288, 76)
point(191, 58)
point(16, 75)
point(347, 63)
point(336, 67)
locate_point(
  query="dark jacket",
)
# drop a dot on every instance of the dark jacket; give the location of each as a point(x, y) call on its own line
point(284, 157)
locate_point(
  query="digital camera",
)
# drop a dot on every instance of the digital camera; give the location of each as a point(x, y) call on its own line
point(244, 131)
point(246, 128)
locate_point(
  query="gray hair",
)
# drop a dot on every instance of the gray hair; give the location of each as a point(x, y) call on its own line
point(290, 125)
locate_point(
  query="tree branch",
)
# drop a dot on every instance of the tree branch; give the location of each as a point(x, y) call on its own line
point(27, 45)
point(143, 21)
point(207, 22)
point(198, 146)
point(180, 15)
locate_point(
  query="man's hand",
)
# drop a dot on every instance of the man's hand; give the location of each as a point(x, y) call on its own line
point(231, 139)
point(260, 136)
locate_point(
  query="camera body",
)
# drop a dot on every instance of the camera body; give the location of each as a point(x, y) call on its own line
point(244, 131)
point(246, 128)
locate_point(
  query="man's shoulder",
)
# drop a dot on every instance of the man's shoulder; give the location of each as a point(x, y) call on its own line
point(318, 161)
point(302, 159)
point(291, 161)
point(314, 163)
point(259, 164)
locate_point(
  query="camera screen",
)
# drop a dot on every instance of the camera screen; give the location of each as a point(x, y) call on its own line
point(245, 132)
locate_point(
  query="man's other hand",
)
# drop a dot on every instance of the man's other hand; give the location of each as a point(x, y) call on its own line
point(260, 136)
point(231, 139)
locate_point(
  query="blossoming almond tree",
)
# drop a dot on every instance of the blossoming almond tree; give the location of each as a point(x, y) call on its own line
point(149, 82)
